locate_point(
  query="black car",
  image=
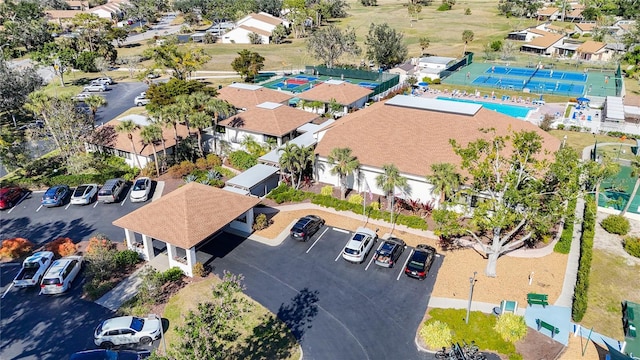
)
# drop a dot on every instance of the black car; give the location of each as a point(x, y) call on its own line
point(306, 227)
point(102, 354)
point(420, 262)
point(389, 251)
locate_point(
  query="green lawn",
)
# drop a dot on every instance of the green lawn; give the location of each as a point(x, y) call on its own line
point(580, 140)
point(263, 336)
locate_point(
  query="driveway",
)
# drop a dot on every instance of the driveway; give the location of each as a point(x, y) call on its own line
point(337, 309)
point(119, 99)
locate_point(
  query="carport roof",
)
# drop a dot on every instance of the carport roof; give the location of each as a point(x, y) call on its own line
point(187, 216)
point(252, 177)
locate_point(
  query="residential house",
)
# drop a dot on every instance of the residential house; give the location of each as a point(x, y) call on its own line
point(411, 133)
point(594, 51)
point(244, 96)
point(77, 5)
point(118, 144)
point(432, 66)
point(261, 24)
point(574, 14)
point(585, 28)
point(404, 70)
point(61, 17)
point(267, 123)
point(542, 42)
point(111, 10)
point(548, 13)
point(349, 95)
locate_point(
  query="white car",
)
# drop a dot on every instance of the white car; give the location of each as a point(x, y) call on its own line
point(140, 190)
point(128, 330)
point(95, 87)
point(103, 80)
point(141, 99)
point(84, 194)
point(81, 97)
point(359, 245)
point(60, 275)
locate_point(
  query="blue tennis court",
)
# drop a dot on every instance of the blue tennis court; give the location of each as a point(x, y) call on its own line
point(559, 87)
point(307, 77)
point(538, 73)
point(501, 70)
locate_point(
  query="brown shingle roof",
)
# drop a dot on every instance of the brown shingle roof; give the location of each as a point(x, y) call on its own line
point(121, 140)
point(591, 47)
point(188, 215)
point(546, 40)
point(344, 93)
point(586, 26)
point(548, 11)
point(243, 98)
point(267, 19)
point(414, 139)
point(275, 122)
point(255, 30)
point(62, 14)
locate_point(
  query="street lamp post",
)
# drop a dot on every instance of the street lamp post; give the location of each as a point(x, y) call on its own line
point(472, 282)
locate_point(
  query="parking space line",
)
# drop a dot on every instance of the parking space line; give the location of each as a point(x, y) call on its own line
point(340, 230)
point(66, 207)
point(123, 201)
point(96, 204)
point(405, 265)
point(314, 243)
point(339, 254)
point(39, 207)
point(370, 261)
point(10, 210)
point(6, 291)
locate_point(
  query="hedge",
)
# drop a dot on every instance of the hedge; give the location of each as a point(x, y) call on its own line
point(580, 296)
point(564, 244)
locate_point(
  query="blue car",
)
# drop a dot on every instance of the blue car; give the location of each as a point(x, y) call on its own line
point(55, 195)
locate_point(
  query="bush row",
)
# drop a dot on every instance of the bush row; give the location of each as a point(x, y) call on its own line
point(284, 193)
point(580, 296)
point(564, 244)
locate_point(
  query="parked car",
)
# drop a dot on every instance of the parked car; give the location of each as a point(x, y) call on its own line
point(306, 227)
point(359, 245)
point(56, 195)
point(9, 196)
point(153, 75)
point(140, 190)
point(81, 97)
point(95, 87)
point(61, 274)
point(84, 194)
point(106, 354)
point(141, 100)
point(128, 330)
point(103, 80)
point(33, 269)
point(110, 191)
point(389, 251)
point(420, 262)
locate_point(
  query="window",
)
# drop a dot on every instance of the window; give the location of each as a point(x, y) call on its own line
point(221, 129)
point(269, 138)
point(111, 333)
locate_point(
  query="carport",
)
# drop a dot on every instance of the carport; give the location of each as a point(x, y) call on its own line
point(257, 180)
point(185, 218)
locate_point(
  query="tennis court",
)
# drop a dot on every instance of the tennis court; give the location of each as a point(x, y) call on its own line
point(299, 83)
point(534, 79)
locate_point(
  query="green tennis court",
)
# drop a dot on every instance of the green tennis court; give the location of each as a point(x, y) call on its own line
point(615, 191)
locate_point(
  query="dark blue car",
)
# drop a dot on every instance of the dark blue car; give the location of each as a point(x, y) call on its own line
point(56, 195)
point(101, 354)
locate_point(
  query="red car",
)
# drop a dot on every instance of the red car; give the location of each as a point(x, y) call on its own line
point(9, 196)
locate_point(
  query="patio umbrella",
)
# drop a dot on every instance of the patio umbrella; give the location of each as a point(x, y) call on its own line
point(583, 99)
point(422, 83)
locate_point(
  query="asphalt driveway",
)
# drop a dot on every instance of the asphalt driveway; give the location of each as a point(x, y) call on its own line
point(337, 309)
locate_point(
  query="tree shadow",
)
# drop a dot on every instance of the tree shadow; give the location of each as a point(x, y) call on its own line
point(300, 312)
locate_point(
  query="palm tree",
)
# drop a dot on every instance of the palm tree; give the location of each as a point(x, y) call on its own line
point(183, 108)
point(445, 180)
point(160, 118)
point(344, 164)
point(128, 127)
point(220, 109)
point(424, 43)
point(305, 158)
point(95, 102)
point(200, 121)
point(288, 159)
point(151, 134)
point(635, 172)
point(389, 180)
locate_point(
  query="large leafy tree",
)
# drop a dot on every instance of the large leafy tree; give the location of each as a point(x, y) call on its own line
point(521, 195)
point(248, 64)
point(23, 25)
point(129, 127)
point(180, 62)
point(445, 180)
point(164, 94)
point(330, 43)
point(92, 30)
point(146, 10)
point(95, 102)
point(15, 85)
point(344, 164)
point(385, 45)
point(389, 181)
point(57, 55)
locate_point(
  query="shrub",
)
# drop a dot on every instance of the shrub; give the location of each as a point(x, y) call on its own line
point(467, 11)
point(99, 243)
point(126, 258)
point(560, 127)
point(284, 193)
point(172, 275)
point(511, 327)
point(100, 256)
point(375, 205)
point(632, 246)
point(201, 163)
point(77, 179)
point(564, 244)
point(94, 289)
point(242, 160)
point(213, 160)
point(199, 270)
point(179, 170)
point(261, 222)
point(355, 199)
point(581, 292)
point(436, 334)
point(616, 224)
point(326, 190)
point(444, 7)
point(15, 248)
point(61, 247)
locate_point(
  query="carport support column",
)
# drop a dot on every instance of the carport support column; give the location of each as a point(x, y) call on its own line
point(191, 260)
point(171, 253)
point(147, 241)
point(130, 236)
point(250, 220)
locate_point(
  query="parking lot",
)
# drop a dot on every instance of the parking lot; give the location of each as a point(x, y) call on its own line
point(339, 310)
point(119, 98)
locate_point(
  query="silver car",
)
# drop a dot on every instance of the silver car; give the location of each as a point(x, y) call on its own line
point(95, 87)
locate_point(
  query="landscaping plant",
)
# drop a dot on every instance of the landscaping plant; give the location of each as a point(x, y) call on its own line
point(616, 224)
point(61, 247)
point(511, 327)
point(580, 296)
point(564, 244)
point(632, 246)
point(15, 248)
point(436, 334)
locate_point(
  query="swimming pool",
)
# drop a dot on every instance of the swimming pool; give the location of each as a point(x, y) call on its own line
point(519, 112)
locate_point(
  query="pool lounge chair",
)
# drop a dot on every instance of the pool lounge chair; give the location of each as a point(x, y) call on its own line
point(589, 118)
point(573, 117)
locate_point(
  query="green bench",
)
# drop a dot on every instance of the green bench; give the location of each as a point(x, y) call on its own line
point(537, 299)
point(541, 324)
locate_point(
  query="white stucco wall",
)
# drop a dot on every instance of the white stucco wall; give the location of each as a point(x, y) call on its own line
point(240, 36)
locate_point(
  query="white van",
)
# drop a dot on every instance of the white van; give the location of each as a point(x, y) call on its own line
point(60, 275)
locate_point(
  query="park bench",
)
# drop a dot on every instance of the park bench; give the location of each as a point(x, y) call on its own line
point(541, 324)
point(537, 299)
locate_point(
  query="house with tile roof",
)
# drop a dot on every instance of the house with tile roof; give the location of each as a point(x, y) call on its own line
point(594, 51)
point(574, 13)
point(350, 96)
point(244, 96)
point(266, 122)
point(118, 144)
point(411, 133)
point(542, 42)
point(61, 17)
point(548, 13)
point(261, 24)
point(585, 28)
